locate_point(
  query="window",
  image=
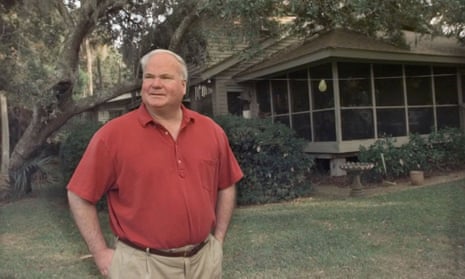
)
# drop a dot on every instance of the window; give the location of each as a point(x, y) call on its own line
point(300, 103)
point(115, 113)
point(354, 84)
point(299, 91)
point(357, 124)
point(234, 103)
point(445, 85)
point(391, 122)
point(418, 79)
point(301, 124)
point(324, 126)
point(399, 97)
point(284, 119)
point(323, 96)
point(279, 93)
point(462, 75)
point(263, 98)
point(420, 120)
point(388, 85)
point(448, 117)
point(355, 91)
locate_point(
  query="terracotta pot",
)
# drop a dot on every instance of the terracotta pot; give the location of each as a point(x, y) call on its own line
point(417, 177)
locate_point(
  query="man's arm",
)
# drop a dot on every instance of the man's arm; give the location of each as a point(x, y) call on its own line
point(224, 210)
point(86, 218)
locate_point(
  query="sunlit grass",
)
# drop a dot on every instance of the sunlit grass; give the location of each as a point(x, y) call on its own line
point(417, 233)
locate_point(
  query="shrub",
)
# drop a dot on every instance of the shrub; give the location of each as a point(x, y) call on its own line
point(440, 150)
point(386, 157)
point(74, 145)
point(271, 157)
point(449, 148)
point(37, 171)
point(415, 153)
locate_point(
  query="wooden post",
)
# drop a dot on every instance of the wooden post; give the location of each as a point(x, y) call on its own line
point(5, 161)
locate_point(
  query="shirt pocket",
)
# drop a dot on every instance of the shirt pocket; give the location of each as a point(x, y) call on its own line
point(208, 170)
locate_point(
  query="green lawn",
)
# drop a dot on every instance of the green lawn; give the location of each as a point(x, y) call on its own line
point(416, 233)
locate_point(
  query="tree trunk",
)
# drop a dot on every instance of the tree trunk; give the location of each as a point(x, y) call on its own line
point(5, 159)
point(39, 130)
point(5, 135)
point(89, 69)
point(33, 140)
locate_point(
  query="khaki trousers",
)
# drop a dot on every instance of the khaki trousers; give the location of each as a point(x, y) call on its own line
point(130, 263)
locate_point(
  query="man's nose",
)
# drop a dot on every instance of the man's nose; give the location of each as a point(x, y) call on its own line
point(156, 82)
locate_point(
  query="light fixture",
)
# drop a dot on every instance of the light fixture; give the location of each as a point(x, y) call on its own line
point(322, 86)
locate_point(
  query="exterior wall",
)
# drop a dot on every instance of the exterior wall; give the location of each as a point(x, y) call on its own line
point(220, 98)
point(200, 98)
point(223, 85)
point(323, 149)
point(116, 107)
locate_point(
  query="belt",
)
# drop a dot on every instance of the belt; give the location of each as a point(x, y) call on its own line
point(186, 254)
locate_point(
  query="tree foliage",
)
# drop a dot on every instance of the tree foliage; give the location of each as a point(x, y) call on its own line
point(450, 18)
point(43, 63)
point(378, 18)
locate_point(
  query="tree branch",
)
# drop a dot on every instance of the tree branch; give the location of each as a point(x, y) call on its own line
point(184, 26)
point(64, 13)
point(91, 102)
point(89, 14)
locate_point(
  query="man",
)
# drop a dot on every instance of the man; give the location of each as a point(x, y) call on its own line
point(169, 176)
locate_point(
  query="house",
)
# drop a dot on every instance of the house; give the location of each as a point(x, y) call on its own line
point(340, 89)
point(117, 106)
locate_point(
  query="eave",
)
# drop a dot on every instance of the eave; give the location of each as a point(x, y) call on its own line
point(352, 54)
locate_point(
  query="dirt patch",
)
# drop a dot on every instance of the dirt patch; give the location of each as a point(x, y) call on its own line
point(339, 187)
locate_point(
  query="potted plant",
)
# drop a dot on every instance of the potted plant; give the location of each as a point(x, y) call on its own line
point(416, 177)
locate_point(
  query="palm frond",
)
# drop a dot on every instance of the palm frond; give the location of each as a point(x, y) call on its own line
point(37, 171)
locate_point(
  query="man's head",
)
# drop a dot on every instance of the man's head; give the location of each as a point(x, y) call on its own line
point(182, 63)
point(164, 80)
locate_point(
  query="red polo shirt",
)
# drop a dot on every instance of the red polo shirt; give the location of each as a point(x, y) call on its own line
point(161, 193)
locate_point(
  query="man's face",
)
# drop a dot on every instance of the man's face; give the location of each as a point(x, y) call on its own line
point(163, 85)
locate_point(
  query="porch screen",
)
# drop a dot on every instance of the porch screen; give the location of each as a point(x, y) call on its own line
point(389, 100)
point(356, 101)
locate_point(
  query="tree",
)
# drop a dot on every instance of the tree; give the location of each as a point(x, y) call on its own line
point(42, 57)
point(41, 61)
point(5, 135)
point(5, 147)
point(450, 18)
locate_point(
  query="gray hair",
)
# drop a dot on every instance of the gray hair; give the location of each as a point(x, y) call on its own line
point(146, 57)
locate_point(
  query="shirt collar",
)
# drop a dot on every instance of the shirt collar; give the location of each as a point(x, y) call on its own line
point(145, 118)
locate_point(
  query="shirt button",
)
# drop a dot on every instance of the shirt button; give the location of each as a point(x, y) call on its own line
point(179, 162)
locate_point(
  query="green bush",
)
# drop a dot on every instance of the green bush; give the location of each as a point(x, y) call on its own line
point(447, 149)
point(438, 151)
point(74, 145)
point(271, 157)
point(415, 153)
point(386, 157)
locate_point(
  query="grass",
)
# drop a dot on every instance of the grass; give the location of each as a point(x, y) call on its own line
point(416, 233)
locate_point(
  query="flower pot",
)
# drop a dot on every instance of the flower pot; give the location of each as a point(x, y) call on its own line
point(416, 177)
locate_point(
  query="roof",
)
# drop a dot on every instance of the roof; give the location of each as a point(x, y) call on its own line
point(223, 57)
point(348, 44)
